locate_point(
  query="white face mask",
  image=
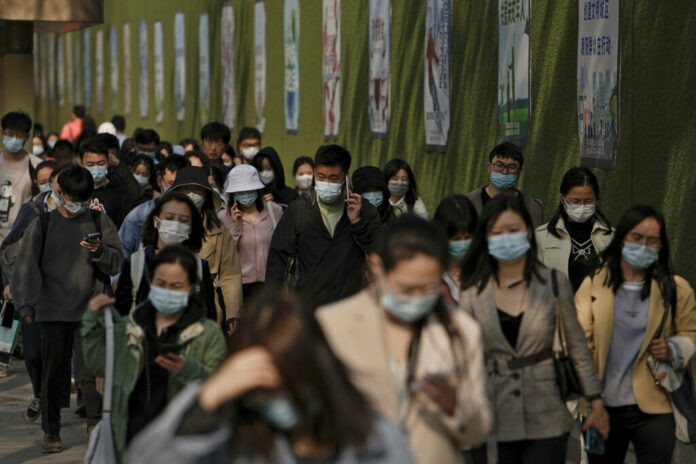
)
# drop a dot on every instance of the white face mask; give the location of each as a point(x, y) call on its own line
point(304, 181)
point(37, 150)
point(579, 213)
point(267, 177)
point(249, 153)
point(197, 199)
point(172, 232)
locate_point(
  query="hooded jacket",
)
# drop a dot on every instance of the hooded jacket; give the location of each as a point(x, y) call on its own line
point(282, 194)
point(114, 198)
point(202, 343)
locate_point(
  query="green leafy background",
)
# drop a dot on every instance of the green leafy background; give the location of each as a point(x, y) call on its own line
point(657, 132)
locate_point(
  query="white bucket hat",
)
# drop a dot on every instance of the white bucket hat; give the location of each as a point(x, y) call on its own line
point(243, 178)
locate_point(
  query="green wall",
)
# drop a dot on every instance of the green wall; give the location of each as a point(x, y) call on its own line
point(655, 160)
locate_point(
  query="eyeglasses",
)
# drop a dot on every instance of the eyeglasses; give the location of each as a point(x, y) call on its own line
point(511, 168)
point(579, 201)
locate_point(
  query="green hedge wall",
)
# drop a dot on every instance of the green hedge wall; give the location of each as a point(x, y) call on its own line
point(657, 129)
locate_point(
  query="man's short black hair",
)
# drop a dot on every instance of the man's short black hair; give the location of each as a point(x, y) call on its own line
point(79, 111)
point(507, 150)
point(165, 146)
point(333, 155)
point(77, 183)
point(110, 140)
point(147, 136)
point(94, 146)
point(63, 145)
point(172, 163)
point(119, 122)
point(189, 141)
point(247, 132)
point(215, 131)
point(17, 121)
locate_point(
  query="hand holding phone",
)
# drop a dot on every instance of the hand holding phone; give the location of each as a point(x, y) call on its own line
point(91, 241)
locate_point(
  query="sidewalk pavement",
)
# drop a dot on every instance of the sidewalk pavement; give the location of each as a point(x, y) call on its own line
point(20, 441)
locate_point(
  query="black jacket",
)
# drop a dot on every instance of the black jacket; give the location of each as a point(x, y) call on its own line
point(282, 194)
point(115, 199)
point(329, 268)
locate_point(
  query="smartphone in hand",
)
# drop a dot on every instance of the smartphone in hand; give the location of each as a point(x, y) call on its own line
point(92, 236)
point(594, 441)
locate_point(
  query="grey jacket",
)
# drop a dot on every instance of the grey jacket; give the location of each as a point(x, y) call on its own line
point(526, 401)
point(534, 206)
point(159, 443)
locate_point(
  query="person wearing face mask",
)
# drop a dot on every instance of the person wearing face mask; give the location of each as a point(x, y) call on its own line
point(44, 173)
point(417, 360)
point(369, 182)
point(162, 345)
point(402, 188)
point(319, 245)
point(218, 245)
point(39, 146)
point(31, 345)
point(504, 168)
point(621, 308)
point(572, 241)
point(174, 221)
point(303, 172)
point(229, 159)
point(277, 399)
point(110, 195)
point(271, 173)
point(146, 142)
point(17, 168)
point(58, 268)
point(515, 299)
point(457, 218)
point(51, 140)
point(132, 227)
point(251, 221)
point(144, 173)
point(248, 144)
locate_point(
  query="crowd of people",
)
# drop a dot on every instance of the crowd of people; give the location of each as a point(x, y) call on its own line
point(333, 321)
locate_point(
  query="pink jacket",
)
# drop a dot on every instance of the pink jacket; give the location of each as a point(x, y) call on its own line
point(253, 239)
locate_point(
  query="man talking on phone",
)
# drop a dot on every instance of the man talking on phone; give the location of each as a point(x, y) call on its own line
point(65, 259)
point(319, 245)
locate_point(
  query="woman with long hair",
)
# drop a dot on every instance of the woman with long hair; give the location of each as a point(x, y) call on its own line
point(163, 344)
point(621, 309)
point(281, 397)
point(515, 298)
point(578, 232)
point(270, 168)
point(418, 360)
point(402, 187)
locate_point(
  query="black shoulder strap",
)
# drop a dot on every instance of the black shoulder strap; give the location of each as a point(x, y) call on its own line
point(32, 177)
point(669, 302)
point(43, 222)
point(554, 283)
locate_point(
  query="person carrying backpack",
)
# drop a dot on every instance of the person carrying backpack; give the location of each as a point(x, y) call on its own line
point(65, 258)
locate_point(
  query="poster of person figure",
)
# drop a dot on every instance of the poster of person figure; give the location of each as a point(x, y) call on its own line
point(598, 82)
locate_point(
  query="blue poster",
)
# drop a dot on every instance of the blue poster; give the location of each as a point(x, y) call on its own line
point(291, 34)
point(436, 76)
point(180, 66)
point(204, 68)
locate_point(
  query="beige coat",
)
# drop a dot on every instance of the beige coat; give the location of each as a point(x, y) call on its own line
point(221, 253)
point(554, 252)
point(527, 403)
point(354, 330)
point(595, 305)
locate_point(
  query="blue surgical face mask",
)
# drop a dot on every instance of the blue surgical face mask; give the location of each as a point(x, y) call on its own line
point(328, 192)
point(12, 144)
point(45, 188)
point(639, 256)
point(507, 248)
point(75, 208)
point(503, 181)
point(168, 301)
point(375, 198)
point(151, 154)
point(245, 198)
point(98, 173)
point(406, 308)
point(56, 199)
point(142, 181)
point(281, 413)
point(458, 248)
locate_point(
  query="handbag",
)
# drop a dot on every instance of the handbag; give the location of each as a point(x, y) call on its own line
point(101, 448)
point(678, 384)
point(9, 330)
point(566, 376)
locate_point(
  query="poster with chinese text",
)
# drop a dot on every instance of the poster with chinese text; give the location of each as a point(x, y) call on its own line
point(180, 66)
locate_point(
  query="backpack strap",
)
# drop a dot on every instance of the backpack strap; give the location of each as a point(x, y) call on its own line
point(137, 268)
point(43, 222)
point(669, 302)
point(32, 177)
